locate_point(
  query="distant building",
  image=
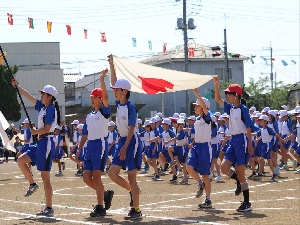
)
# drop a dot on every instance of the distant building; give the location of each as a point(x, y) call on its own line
point(39, 65)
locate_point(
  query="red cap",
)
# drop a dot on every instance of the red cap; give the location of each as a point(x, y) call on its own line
point(173, 120)
point(97, 92)
point(234, 88)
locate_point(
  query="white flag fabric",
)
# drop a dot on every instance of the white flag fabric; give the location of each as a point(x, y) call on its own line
point(148, 79)
point(3, 126)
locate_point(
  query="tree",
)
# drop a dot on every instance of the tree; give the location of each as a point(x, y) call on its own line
point(9, 105)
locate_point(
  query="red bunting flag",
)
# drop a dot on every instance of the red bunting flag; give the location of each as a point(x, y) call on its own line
point(10, 19)
point(191, 52)
point(85, 33)
point(49, 26)
point(165, 47)
point(30, 22)
point(68, 29)
point(103, 37)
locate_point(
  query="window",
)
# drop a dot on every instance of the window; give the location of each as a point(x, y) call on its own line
point(70, 91)
point(221, 72)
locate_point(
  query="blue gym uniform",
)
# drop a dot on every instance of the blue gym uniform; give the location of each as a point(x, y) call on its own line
point(167, 136)
point(95, 127)
point(286, 129)
point(58, 152)
point(44, 156)
point(267, 135)
point(127, 116)
point(214, 141)
point(239, 121)
point(274, 127)
point(27, 137)
point(201, 154)
point(153, 134)
point(112, 136)
point(179, 148)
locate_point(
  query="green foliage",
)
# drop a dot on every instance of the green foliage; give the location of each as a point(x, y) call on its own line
point(9, 104)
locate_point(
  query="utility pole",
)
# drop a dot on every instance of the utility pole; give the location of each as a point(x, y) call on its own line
point(271, 75)
point(226, 57)
point(186, 60)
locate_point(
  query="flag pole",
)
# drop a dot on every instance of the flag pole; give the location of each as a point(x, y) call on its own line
point(12, 77)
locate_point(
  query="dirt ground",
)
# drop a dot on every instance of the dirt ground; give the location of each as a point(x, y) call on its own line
point(161, 202)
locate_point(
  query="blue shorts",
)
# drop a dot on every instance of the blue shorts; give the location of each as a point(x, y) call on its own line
point(145, 149)
point(287, 144)
point(31, 153)
point(275, 145)
point(75, 150)
point(58, 152)
point(295, 145)
point(181, 154)
point(44, 155)
point(25, 148)
point(133, 154)
point(237, 152)
point(95, 155)
point(298, 151)
point(112, 150)
point(165, 153)
point(224, 148)
point(82, 154)
point(265, 151)
point(150, 154)
point(159, 147)
point(200, 158)
point(215, 151)
point(258, 148)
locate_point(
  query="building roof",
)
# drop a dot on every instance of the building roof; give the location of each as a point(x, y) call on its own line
point(86, 80)
point(201, 52)
point(71, 77)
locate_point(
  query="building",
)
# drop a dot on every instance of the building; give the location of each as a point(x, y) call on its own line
point(39, 65)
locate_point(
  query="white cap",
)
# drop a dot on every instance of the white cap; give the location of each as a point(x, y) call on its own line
point(153, 120)
point(50, 90)
point(283, 113)
point(181, 118)
point(180, 121)
point(192, 118)
point(206, 101)
point(80, 126)
point(297, 108)
point(58, 127)
point(252, 108)
point(157, 118)
point(75, 122)
point(26, 120)
point(159, 114)
point(213, 118)
point(264, 117)
point(221, 118)
point(182, 115)
point(257, 115)
point(111, 123)
point(273, 113)
point(167, 121)
point(140, 121)
point(266, 109)
point(123, 84)
point(217, 114)
point(284, 107)
point(147, 123)
point(176, 115)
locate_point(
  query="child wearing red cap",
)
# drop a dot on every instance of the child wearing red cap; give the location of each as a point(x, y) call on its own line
point(240, 145)
point(95, 130)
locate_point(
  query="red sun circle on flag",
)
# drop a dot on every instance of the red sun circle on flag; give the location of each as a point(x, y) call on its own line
point(155, 85)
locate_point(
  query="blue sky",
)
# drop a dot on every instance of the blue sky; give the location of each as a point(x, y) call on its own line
point(251, 26)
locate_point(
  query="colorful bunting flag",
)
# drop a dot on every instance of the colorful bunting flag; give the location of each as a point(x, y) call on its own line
point(165, 48)
point(103, 37)
point(253, 56)
point(134, 42)
point(30, 22)
point(284, 63)
point(293, 61)
point(10, 19)
point(49, 26)
point(68, 29)
point(230, 54)
point(191, 52)
point(150, 45)
point(85, 32)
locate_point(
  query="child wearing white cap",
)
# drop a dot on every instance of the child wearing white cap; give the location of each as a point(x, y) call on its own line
point(145, 136)
point(214, 141)
point(112, 139)
point(58, 150)
point(75, 133)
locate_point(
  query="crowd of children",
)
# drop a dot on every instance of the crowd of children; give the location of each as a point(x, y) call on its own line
point(197, 146)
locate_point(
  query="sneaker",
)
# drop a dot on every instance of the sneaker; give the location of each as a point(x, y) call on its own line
point(133, 215)
point(156, 177)
point(46, 212)
point(31, 190)
point(273, 177)
point(173, 163)
point(206, 204)
point(59, 174)
point(218, 178)
point(244, 207)
point(147, 167)
point(79, 174)
point(174, 179)
point(63, 165)
point(285, 167)
point(251, 177)
point(238, 190)
point(200, 189)
point(211, 176)
point(98, 211)
point(277, 170)
point(144, 171)
point(108, 196)
point(257, 177)
point(179, 173)
point(166, 167)
point(295, 163)
point(76, 174)
point(281, 164)
point(184, 181)
point(263, 173)
point(298, 171)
